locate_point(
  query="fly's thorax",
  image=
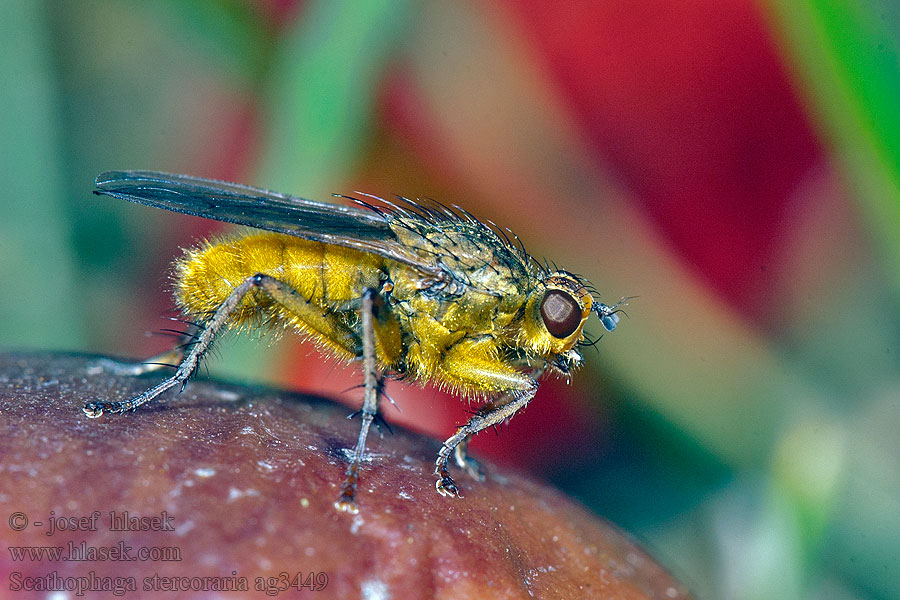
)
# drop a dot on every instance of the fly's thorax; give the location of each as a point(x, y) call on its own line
point(555, 313)
point(474, 312)
point(470, 255)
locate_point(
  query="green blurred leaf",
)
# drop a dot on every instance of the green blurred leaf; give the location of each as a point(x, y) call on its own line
point(846, 55)
point(324, 84)
point(39, 305)
point(229, 32)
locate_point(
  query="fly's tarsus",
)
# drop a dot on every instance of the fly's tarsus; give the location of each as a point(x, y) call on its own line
point(445, 485)
point(96, 408)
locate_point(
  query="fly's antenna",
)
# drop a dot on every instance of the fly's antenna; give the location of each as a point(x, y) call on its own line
point(609, 315)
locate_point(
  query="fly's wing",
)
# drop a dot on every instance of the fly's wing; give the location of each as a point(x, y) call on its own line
point(346, 226)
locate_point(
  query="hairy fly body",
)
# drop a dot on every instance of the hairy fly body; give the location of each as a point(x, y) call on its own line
point(418, 291)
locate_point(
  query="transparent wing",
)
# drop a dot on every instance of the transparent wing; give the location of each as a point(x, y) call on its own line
point(346, 226)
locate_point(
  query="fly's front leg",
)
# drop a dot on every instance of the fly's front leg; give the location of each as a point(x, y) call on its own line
point(497, 412)
point(347, 500)
point(478, 362)
point(460, 453)
point(200, 344)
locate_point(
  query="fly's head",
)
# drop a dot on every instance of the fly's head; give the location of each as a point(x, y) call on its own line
point(555, 314)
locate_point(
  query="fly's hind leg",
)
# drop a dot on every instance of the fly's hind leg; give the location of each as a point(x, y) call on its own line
point(189, 363)
point(277, 290)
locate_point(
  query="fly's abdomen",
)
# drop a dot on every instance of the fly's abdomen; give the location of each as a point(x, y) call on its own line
point(323, 274)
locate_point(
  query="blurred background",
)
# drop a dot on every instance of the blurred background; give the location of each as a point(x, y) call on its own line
point(734, 164)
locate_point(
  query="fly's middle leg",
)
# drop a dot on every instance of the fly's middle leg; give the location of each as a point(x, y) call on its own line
point(347, 500)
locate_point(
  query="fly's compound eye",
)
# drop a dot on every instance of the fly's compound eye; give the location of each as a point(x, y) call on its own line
point(561, 313)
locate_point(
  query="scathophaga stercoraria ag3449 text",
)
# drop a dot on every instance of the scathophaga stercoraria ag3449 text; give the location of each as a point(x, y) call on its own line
point(419, 291)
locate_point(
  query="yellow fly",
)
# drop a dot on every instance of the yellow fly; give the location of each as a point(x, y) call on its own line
point(421, 291)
